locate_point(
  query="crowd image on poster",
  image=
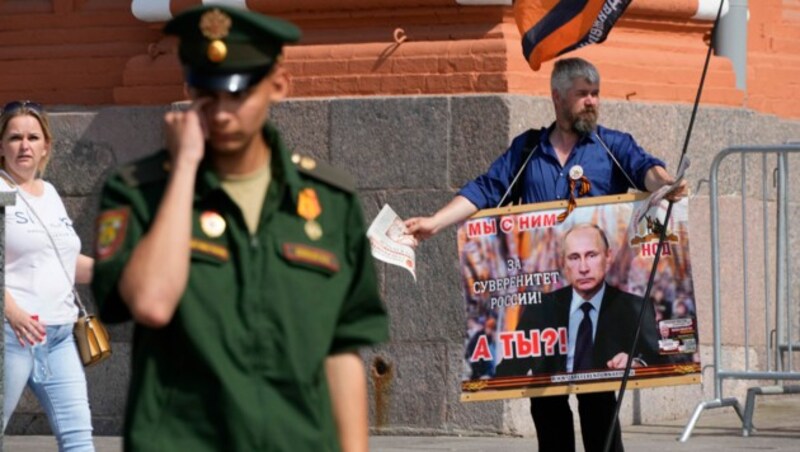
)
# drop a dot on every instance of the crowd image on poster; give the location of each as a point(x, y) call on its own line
point(552, 304)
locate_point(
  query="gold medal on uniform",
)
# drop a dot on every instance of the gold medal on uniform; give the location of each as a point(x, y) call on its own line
point(308, 207)
point(212, 224)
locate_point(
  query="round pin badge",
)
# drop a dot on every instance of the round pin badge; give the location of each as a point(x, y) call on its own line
point(212, 224)
point(576, 172)
point(313, 230)
point(308, 163)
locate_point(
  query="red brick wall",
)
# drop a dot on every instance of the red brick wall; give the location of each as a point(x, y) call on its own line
point(94, 52)
point(67, 51)
point(773, 75)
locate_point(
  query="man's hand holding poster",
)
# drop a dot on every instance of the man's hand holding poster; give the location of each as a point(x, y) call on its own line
point(551, 305)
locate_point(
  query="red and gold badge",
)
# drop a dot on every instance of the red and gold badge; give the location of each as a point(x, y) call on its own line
point(112, 225)
point(308, 204)
point(212, 224)
point(308, 207)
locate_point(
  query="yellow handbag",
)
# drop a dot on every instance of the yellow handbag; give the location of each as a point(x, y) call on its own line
point(91, 337)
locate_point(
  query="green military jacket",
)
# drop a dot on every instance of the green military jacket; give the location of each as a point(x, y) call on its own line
point(240, 367)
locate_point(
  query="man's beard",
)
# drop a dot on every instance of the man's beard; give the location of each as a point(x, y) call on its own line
point(585, 121)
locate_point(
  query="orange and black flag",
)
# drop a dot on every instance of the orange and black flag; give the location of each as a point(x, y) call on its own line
point(550, 28)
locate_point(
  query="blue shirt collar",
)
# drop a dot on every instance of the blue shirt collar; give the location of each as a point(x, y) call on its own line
point(547, 147)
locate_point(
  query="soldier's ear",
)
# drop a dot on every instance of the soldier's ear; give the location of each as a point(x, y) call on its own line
point(279, 81)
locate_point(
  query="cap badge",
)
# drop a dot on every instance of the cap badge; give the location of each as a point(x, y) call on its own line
point(215, 26)
point(309, 208)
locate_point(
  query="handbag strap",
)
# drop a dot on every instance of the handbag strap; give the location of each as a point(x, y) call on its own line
point(77, 298)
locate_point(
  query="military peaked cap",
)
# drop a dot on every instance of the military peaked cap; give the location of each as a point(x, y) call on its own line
point(228, 49)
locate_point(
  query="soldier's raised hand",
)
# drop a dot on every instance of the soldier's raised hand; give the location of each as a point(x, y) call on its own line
point(186, 133)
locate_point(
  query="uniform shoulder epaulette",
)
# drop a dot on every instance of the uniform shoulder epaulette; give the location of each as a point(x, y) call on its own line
point(149, 169)
point(324, 172)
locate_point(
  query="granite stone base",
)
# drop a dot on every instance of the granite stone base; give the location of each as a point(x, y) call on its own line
point(414, 153)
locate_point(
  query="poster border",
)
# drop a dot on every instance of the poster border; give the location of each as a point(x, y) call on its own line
point(581, 202)
point(476, 393)
point(544, 391)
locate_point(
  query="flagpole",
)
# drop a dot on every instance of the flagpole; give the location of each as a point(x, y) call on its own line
point(661, 238)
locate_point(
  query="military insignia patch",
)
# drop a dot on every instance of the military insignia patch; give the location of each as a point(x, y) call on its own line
point(311, 256)
point(112, 225)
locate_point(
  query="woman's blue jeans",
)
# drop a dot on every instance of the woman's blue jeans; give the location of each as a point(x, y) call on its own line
point(63, 395)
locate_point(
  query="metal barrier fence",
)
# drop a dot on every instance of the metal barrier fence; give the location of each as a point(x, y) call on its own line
point(782, 338)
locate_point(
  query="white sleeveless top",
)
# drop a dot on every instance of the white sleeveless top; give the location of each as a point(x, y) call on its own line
point(34, 276)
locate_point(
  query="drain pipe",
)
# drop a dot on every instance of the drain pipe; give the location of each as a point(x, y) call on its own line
point(731, 38)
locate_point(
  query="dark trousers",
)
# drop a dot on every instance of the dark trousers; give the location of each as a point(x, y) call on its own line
point(552, 417)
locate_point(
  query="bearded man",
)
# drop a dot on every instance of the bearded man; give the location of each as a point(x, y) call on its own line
point(550, 164)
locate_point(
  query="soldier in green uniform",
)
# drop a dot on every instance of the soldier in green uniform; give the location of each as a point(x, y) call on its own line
point(246, 268)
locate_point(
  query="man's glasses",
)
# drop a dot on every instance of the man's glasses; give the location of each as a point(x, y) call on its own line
point(17, 105)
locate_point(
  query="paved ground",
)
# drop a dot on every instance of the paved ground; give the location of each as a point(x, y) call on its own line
point(777, 420)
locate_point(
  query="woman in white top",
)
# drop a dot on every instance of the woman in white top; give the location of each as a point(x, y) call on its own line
point(40, 311)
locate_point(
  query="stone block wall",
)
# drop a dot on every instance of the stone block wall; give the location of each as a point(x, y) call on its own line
point(414, 153)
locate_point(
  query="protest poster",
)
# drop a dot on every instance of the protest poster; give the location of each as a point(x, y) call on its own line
point(523, 283)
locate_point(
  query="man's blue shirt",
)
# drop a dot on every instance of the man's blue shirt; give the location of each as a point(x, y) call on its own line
point(545, 179)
